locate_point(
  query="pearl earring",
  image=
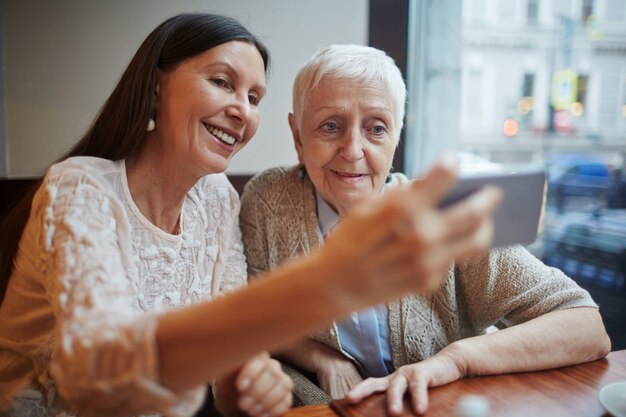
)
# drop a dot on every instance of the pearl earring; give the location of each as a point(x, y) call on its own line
point(151, 125)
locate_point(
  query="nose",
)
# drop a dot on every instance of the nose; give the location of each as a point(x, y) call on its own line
point(352, 145)
point(239, 107)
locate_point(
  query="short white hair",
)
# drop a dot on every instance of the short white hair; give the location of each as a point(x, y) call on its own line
point(352, 62)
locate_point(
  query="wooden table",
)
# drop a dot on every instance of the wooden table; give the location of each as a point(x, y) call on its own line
point(566, 392)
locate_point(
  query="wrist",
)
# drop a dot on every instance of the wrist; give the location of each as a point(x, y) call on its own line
point(454, 357)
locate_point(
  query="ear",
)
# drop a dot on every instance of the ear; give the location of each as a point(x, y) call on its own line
point(157, 88)
point(296, 137)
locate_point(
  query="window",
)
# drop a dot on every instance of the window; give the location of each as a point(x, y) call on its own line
point(624, 97)
point(578, 106)
point(473, 11)
point(528, 84)
point(508, 118)
point(615, 11)
point(532, 12)
point(473, 99)
point(587, 10)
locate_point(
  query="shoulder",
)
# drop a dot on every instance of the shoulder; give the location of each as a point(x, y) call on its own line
point(80, 175)
point(87, 164)
point(77, 192)
point(272, 181)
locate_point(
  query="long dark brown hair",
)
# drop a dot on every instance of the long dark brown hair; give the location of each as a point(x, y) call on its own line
point(119, 130)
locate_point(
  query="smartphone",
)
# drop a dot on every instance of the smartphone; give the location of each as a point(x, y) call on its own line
point(516, 220)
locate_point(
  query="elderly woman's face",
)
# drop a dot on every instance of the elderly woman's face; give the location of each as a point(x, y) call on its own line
point(346, 140)
point(207, 108)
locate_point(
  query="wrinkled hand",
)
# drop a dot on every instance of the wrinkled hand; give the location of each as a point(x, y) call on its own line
point(337, 376)
point(416, 379)
point(402, 242)
point(259, 388)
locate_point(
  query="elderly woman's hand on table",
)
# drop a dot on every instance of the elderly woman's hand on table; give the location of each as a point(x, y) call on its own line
point(414, 378)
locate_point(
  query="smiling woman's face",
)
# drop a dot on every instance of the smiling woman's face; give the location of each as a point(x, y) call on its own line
point(346, 140)
point(207, 108)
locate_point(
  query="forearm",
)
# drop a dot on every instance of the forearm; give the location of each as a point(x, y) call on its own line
point(310, 355)
point(202, 342)
point(558, 338)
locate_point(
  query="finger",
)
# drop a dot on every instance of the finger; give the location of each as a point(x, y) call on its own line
point(395, 394)
point(281, 407)
point(461, 218)
point(251, 370)
point(365, 388)
point(418, 387)
point(268, 399)
point(439, 180)
point(263, 389)
point(475, 245)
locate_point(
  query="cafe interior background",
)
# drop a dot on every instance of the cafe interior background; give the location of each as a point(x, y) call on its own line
point(509, 84)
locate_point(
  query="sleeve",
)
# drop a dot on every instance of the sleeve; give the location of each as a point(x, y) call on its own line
point(513, 286)
point(253, 220)
point(234, 275)
point(105, 360)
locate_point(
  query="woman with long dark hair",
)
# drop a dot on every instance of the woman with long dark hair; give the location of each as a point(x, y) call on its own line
point(108, 266)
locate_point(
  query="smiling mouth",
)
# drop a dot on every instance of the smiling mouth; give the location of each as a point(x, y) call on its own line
point(221, 135)
point(348, 174)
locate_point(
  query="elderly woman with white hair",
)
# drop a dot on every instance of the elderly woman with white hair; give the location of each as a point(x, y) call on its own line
point(348, 107)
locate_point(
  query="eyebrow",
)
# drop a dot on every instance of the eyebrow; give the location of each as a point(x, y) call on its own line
point(385, 109)
point(230, 68)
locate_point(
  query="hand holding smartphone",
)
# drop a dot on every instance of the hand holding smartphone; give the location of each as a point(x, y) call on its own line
point(516, 220)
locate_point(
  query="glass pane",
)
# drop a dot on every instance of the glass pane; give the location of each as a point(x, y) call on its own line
point(552, 92)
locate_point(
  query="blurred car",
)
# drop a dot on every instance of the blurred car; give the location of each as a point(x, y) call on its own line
point(580, 178)
point(595, 239)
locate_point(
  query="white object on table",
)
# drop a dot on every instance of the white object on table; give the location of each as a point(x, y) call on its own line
point(613, 398)
point(472, 406)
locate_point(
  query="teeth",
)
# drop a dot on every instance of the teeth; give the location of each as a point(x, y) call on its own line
point(223, 136)
point(345, 174)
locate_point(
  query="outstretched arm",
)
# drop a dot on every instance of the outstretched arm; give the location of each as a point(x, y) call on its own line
point(405, 244)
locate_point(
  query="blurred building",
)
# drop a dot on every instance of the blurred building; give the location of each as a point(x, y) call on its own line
point(543, 76)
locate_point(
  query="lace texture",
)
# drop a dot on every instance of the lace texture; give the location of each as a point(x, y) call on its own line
point(92, 276)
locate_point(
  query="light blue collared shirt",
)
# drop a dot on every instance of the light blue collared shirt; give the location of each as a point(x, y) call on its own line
point(365, 334)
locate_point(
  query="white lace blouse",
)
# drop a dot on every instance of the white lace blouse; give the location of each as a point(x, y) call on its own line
point(77, 325)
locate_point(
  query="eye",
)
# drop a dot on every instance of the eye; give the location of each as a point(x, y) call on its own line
point(378, 130)
point(220, 82)
point(254, 99)
point(329, 127)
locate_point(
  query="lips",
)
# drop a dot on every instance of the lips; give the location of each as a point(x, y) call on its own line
point(347, 174)
point(220, 134)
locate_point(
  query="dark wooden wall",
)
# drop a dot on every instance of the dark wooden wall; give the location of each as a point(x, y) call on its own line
point(388, 30)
